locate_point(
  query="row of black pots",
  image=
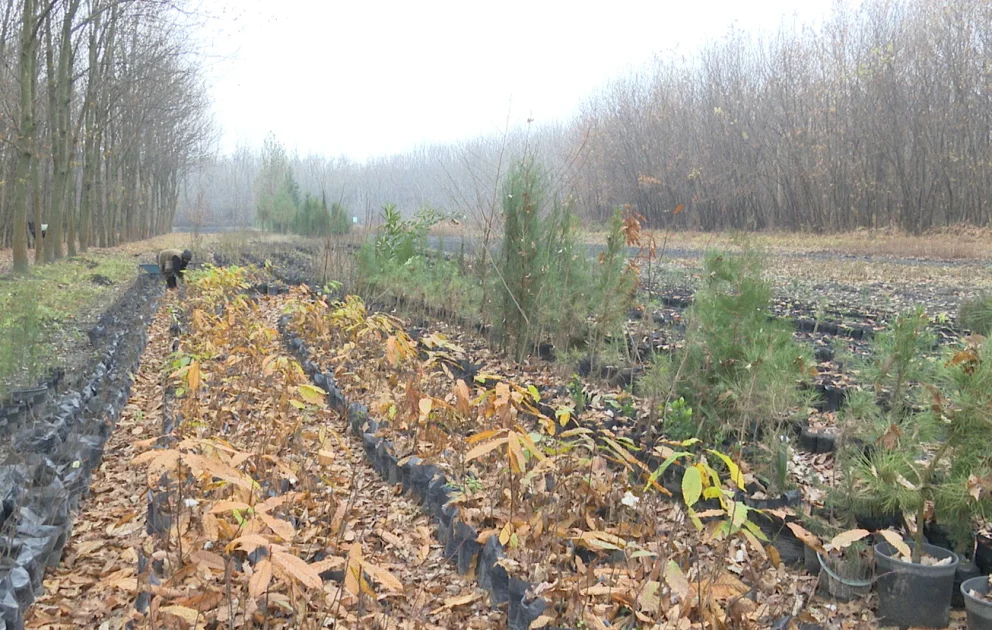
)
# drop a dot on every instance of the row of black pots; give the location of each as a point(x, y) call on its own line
point(47, 469)
point(430, 486)
point(911, 594)
point(21, 404)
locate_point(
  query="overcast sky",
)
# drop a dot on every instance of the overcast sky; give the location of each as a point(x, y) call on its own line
point(363, 77)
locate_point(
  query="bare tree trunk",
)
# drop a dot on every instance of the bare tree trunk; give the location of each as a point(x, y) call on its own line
point(60, 97)
point(40, 236)
point(26, 137)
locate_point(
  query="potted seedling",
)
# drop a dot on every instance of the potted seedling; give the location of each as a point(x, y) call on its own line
point(847, 563)
point(947, 480)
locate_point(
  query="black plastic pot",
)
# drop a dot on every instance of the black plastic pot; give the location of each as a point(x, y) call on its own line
point(979, 610)
point(811, 560)
point(966, 571)
point(983, 554)
point(818, 440)
point(914, 594)
point(846, 582)
point(31, 396)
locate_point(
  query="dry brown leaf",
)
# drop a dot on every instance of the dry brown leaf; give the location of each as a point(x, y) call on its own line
point(810, 539)
point(248, 542)
point(228, 506)
point(353, 570)
point(204, 602)
point(485, 447)
point(384, 577)
point(463, 398)
point(282, 529)
point(677, 581)
point(297, 568)
point(260, 579)
point(895, 539)
point(188, 615)
point(845, 539)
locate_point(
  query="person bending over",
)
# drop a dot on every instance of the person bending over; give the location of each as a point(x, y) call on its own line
point(172, 263)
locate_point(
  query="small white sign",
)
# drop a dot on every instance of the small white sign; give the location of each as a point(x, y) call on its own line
point(354, 219)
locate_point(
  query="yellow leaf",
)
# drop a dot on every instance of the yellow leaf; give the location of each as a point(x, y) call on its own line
point(517, 461)
point(529, 443)
point(692, 486)
point(599, 589)
point(200, 464)
point(327, 564)
point(739, 516)
point(125, 584)
point(484, 448)
point(732, 468)
point(485, 435)
point(297, 568)
point(504, 534)
point(648, 599)
point(211, 527)
point(186, 614)
point(623, 453)
point(147, 456)
point(312, 394)
point(726, 586)
point(260, 579)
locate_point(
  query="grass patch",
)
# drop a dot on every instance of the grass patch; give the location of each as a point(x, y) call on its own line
point(41, 312)
point(976, 315)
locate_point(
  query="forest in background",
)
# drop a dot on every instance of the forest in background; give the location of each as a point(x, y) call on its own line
point(102, 112)
point(879, 117)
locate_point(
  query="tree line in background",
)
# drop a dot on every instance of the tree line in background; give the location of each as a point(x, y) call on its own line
point(279, 205)
point(102, 111)
point(879, 117)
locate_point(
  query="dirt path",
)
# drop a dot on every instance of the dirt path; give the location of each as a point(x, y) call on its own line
point(341, 504)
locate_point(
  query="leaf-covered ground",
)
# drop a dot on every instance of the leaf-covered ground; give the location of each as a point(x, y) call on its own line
point(343, 550)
